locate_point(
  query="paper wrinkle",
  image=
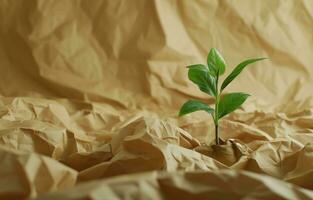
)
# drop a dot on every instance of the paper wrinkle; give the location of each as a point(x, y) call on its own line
point(145, 144)
point(90, 91)
point(26, 175)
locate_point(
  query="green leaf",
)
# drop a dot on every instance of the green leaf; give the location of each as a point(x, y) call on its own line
point(192, 106)
point(199, 74)
point(231, 102)
point(238, 70)
point(216, 62)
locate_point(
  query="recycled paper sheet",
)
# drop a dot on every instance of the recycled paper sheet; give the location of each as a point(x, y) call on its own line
point(90, 90)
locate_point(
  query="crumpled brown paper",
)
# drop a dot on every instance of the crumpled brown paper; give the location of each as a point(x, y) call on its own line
point(222, 184)
point(90, 92)
point(28, 175)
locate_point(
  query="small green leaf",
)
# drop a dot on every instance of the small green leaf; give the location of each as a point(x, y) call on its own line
point(199, 74)
point(192, 106)
point(238, 70)
point(216, 62)
point(231, 102)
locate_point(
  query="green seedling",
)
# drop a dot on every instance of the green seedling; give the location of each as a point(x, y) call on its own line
point(207, 79)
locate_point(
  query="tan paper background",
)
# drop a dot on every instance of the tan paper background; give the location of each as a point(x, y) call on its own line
point(90, 90)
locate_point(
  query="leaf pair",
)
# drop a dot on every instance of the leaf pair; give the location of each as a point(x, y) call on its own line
point(227, 104)
point(205, 76)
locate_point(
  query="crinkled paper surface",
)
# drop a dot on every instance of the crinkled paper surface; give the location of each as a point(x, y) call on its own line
point(90, 92)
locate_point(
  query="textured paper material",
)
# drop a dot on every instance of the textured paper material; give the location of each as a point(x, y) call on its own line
point(90, 92)
point(190, 185)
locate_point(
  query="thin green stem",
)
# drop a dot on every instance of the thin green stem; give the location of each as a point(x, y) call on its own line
point(217, 134)
point(216, 118)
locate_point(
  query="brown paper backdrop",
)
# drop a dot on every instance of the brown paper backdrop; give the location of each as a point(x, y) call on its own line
point(96, 85)
point(134, 52)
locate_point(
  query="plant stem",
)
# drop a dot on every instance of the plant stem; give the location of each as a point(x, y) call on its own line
point(217, 134)
point(217, 99)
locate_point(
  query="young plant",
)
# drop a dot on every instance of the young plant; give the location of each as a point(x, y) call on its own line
point(207, 79)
